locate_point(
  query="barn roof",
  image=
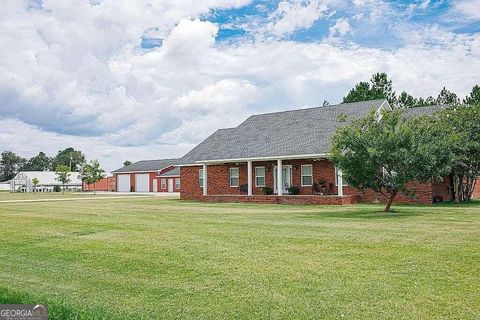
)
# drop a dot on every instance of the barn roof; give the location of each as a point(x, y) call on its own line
point(47, 177)
point(147, 166)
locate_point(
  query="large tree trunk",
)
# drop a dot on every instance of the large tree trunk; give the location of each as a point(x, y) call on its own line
point(469, 186)
point(457, 187)
point(390, 201)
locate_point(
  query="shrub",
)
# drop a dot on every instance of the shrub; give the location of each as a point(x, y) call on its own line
point(267, 190)
point(293, 190)
point(56, 189)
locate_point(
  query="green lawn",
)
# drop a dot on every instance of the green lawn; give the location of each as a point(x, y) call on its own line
point(155, 258)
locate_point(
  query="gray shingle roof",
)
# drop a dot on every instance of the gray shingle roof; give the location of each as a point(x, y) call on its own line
point(420, 111)
point(147, 165)
point(287, 133)
point(170, 173)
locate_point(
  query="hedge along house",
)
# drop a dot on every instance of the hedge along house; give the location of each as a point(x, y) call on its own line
point(143, 176)
point(278, 151)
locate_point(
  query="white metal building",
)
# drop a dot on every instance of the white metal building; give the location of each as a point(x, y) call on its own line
point(47, 180)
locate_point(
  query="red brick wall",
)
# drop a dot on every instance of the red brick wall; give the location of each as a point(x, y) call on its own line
point(441, 190)
point(286, 199)
point(219, 183)
point(105, 184)
point(173, 178)
point(476, 190)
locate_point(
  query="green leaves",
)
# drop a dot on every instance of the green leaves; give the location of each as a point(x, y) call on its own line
point(385, 155)
point(92, 172)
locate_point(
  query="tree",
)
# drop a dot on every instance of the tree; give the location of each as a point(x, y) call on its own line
point(446, 97)
point(430, 101)
point(406, 100)
point(474, 97)
point(35, 182)
point(379, 87)
point(92, 173)
point(63, 175)
point(463, 124)
point(361, 92)
point(382, 86)
point(10, 164)
point(40, 162)
point(386, 155)
point(127, 163)
point(69, 157)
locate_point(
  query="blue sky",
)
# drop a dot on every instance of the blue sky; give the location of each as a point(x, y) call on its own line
point(244, 23)
point(148, 79)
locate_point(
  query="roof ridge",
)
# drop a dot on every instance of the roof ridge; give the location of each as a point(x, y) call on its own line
point(310, 108)
point(156, 160)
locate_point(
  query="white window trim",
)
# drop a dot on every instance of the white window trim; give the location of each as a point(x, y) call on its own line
point(336, 179)
point(304, 175)
point(163, 183)
point(177, 183)
point(257, 176)
point(200, 178)
point(230, 177)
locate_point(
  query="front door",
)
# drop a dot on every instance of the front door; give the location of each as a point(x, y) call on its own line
point(286, 178)
point(155, 185)
point(170, 185)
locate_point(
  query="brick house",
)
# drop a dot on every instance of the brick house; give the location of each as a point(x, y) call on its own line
point(148, 176)
point(281, 150)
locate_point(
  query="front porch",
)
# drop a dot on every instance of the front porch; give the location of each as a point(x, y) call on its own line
point(289, 181)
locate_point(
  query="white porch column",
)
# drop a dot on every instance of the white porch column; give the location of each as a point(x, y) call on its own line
point(279, 177)
point(249, 180)
point(205, 179)
point(340, 182)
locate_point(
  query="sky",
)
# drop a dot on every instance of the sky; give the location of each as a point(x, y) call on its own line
point(148, 79)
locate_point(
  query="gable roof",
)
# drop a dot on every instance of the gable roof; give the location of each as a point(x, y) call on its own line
point(300, 132)
point(147, 166)
point(171, 173)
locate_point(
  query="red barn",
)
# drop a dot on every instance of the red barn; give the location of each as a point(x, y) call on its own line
point(148, 176)
point(105, 184)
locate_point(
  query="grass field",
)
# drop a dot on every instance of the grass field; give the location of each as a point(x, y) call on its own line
point(144, 258)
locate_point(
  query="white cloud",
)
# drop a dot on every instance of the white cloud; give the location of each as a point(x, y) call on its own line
point(292, 15)
point(340, 28)
point(75, 76)
point(468, 8)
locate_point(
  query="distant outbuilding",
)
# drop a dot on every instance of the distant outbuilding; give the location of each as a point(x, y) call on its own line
point(148, 176)
point(24, 181)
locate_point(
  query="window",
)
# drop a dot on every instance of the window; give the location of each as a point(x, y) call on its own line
point(164, 183)
point(307, 175)
point(336, 178)
point(259, 176)
point(177, 183)
point(200, 178)
point(234, 178)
